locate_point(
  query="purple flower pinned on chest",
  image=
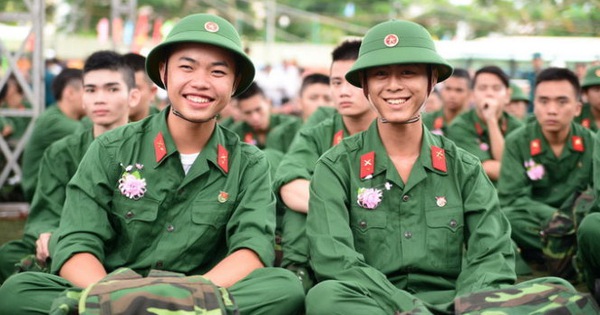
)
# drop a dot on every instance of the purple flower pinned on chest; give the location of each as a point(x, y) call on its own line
point(131, 183)
point(535, 171)
point(369, 198)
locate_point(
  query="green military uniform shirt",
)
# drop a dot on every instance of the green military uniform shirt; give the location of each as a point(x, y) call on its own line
point(586, 118)
point(322, 113)
point(471, 133)
point(436, 122)
point(534, 183)
point(439, 235)
point(299, 163)
point(57, 167)
point(280, 138)
point(181, 223)
point(50, 126)
point(247, 134)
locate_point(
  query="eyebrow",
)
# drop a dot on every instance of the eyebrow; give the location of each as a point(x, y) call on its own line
point(216, 63)
point(109, 84)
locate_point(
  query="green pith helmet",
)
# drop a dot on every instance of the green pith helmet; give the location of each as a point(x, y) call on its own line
point(517, 93)
point(203, 29)
point(397, 42)
point(592, 77)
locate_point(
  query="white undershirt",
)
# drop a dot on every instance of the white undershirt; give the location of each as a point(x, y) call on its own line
point(187, 160)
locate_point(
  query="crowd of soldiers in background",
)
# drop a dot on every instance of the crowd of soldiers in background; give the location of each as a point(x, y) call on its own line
point(284, 99)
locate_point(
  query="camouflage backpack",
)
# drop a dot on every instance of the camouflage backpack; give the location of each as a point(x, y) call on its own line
point(126, 292)
point(546, 295)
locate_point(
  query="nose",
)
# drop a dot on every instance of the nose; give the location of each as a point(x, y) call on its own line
point(395, 82)
point(200, 79)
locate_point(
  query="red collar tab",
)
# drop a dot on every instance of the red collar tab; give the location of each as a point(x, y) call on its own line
point(577, 143)
point(535, 147)
point(438, 158)
point(478, 129)
point(367, 164)
point(223, 158)
point(438, 123)
point(249, 138)
point(586, 123)
point(337, 137)
point(160, 149)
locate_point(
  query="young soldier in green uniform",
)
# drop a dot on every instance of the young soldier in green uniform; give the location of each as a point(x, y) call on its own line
point(107, 105)
point(56, 122)
point(295, 171)
point(546, 164)
point(455, 95)
point(402, 220)
point(519, 103)
point(145, 85)
point(173, 192)
point(481, 130)
point(590, 113)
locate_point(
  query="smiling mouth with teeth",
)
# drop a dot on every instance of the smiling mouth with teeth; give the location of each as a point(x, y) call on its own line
point(396, 101)
point(197, 99)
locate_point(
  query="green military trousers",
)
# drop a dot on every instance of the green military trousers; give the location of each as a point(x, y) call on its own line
point(538, 296)
point(265, 291)
point(10, 254)
point(588, 252)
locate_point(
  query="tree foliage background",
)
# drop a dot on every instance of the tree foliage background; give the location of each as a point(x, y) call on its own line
point(327, 21)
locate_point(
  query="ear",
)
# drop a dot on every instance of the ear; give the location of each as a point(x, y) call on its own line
point(236, 83)
point(161, 71)
point(134, 97)
point(363, 82)
point(578, 107)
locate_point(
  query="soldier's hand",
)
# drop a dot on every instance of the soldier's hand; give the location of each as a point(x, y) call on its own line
point(41, 251)
point(490, 109)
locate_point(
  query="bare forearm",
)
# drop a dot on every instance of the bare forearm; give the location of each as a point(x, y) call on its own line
point(492, 169)
point(496, 141)
point(82, 270)
point(295, 195)
point(234, 268)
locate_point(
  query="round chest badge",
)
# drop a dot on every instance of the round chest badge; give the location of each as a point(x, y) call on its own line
point(390, 40)
point(211, 27)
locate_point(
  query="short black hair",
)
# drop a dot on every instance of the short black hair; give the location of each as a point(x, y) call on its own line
point(110, 60)
point(495, 70)
point(461, 73)
point(252, 90)
point(11, 79)
point(68, 76)
point(559, 74)
point(138, 63)
point(315, 78)
point(347, 50)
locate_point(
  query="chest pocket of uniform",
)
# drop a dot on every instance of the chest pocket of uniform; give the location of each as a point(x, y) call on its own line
point(369, 230)
point(210, 213)
point(445, 237)
point(130, 211)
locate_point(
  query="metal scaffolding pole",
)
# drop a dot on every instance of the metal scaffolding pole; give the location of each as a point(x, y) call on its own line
point(32, 89)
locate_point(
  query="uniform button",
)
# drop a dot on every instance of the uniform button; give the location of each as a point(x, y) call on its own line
point(362, 224)
point(407, 234)
point(405, 198)
point(170, 228)
point(129, 214)
point(453, 223)
point(159, 264)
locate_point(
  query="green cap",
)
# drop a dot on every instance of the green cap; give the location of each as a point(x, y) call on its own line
point(397, 42)
point(517, 93)
point(203, 29)
point(592, 77)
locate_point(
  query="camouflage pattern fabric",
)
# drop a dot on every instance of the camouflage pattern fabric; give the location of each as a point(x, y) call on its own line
point(559, 239)
point(67, 303)
point(126, 292)
point(30, 263)
point(532, 297)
